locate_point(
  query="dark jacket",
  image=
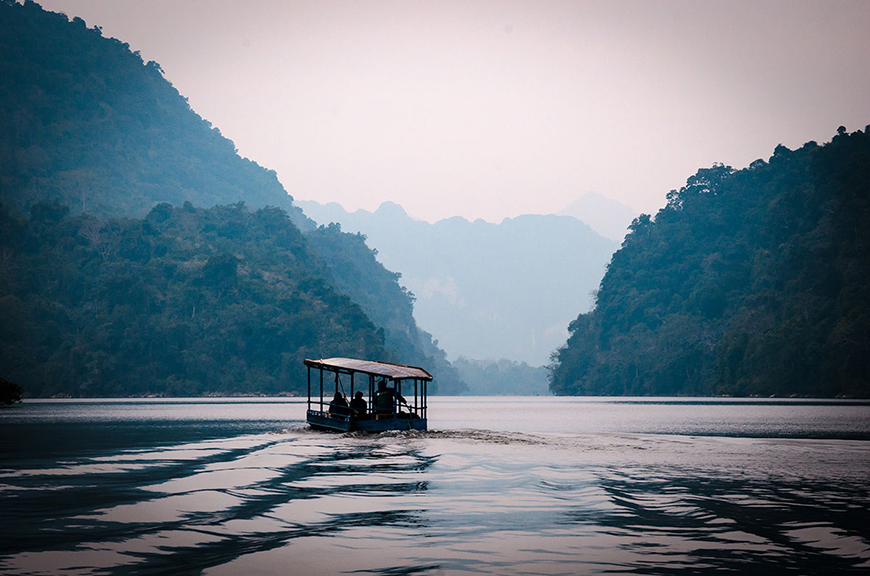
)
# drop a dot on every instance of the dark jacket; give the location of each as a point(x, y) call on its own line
point(358, 405)
point(338, 406)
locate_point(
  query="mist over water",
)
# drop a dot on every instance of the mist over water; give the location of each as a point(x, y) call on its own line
point(506, 486)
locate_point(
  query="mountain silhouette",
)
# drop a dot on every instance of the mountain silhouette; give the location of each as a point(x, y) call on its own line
point(488, 291)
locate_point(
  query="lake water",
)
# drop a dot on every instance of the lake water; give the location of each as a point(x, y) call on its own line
point(497, 486)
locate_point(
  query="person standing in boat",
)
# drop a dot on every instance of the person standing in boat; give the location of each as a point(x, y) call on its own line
point(385, 399)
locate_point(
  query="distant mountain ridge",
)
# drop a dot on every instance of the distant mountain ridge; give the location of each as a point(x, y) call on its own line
point(606, 216)
point(488, 291)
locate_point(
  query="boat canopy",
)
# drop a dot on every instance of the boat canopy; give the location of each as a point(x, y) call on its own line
point(384, 369)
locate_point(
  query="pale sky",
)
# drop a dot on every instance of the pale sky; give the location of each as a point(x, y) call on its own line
point(491, 109)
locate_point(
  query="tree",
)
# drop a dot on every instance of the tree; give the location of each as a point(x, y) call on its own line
point(748, 282)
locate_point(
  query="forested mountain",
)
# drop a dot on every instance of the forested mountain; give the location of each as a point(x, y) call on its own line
point(87, 128)
point(748, 282)
point(183, 302)
point(489, 291)
point(85, 122)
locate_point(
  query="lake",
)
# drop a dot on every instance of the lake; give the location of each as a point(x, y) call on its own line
point(497, 486)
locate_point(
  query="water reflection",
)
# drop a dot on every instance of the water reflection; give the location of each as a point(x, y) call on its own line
point(664, 522)
point(204, 504)
point(205, 495)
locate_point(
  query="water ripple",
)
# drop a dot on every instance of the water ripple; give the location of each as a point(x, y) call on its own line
point(450, 501)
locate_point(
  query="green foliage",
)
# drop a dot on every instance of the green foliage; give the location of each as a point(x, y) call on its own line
point(179, 300)
point(750, 282)
point(85, 122)
point(186, 301)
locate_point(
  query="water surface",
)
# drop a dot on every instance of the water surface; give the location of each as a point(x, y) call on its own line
point(498, 486)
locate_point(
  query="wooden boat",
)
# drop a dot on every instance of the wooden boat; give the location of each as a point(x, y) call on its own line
point(387, 387)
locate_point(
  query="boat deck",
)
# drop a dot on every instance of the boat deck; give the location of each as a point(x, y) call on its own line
point(326, 421)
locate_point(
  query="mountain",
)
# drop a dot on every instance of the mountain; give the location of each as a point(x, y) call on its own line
point(607, 217)
point(502, 378)
point(488, 291)
point(87, 123)
point(87, 127)
point(748, 282)
point(184, 302)
point(357, 273)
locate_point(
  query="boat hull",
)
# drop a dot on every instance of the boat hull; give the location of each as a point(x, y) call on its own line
point(339, 423)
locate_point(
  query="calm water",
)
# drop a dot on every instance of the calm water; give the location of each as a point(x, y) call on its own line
point(499, 486)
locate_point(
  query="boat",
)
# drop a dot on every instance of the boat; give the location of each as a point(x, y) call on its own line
point(395, 395)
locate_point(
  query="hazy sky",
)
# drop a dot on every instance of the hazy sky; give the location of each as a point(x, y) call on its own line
point(496, 108)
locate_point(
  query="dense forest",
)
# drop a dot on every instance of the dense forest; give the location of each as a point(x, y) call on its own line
point(130, 261)
point(748, 282)
point(186, 301)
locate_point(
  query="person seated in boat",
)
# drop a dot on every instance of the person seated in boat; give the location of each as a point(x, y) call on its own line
point(339, 406)
point(385, 399)
point(358, 406)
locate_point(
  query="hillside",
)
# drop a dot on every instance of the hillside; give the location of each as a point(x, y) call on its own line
point(86, 123)
point(749, 282)
point(186, 301)
point(87, 126)
point(488, 291)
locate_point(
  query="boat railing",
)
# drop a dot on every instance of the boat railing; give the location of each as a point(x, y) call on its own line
point(370, 414)
point(331, 415)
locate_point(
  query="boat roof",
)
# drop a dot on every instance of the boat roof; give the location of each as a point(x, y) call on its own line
point(385, 369)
